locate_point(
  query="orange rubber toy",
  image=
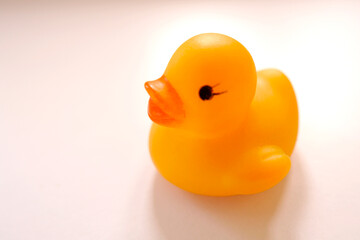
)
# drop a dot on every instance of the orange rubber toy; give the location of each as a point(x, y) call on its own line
point(221, 128)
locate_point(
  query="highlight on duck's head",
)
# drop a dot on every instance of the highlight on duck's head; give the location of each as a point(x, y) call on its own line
point(207, 86)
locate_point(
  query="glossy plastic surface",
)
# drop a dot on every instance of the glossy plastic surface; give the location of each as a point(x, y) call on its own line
point(221, 128)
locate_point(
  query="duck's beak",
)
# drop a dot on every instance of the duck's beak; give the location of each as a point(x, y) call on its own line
point(165, 105)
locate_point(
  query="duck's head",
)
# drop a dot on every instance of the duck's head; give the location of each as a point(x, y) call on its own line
point(207, 86)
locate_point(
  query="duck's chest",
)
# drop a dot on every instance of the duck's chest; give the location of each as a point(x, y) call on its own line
point(179, 150)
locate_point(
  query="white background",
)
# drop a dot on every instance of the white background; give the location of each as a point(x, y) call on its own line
point(74, 161)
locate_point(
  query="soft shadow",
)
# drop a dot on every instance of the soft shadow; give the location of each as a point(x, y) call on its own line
point(183, 215)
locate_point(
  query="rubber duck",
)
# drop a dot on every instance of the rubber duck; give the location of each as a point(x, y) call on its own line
point(221, 128)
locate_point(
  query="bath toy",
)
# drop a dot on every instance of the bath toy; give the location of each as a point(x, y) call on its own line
point(221, 128)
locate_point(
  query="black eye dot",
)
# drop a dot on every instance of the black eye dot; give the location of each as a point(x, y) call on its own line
point(206, 92)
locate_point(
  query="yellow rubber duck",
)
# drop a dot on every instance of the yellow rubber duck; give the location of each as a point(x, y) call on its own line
point(221, 128)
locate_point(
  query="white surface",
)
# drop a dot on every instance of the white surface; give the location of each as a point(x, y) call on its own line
point(74, 162)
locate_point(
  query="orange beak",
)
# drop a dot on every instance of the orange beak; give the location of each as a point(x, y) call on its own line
point(165, 105)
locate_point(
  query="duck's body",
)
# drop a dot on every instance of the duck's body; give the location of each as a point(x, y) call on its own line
point(252, 157)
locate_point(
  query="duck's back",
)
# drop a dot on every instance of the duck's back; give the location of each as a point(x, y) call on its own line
point(273, 117)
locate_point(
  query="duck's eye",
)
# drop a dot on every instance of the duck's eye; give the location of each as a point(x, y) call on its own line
point(206, 92)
